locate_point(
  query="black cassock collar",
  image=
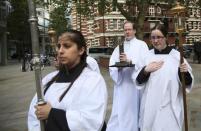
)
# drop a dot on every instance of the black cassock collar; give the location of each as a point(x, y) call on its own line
point(164, 51)
point(65, 75)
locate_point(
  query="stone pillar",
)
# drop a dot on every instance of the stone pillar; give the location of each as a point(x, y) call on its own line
point(3, 39)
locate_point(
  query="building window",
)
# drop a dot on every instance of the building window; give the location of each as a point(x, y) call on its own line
point(89, 42)
point(189, 25)
point(199, 25)
point(90, 28)
point(152, 10)
point(110, 27)
point(198, 13)
point(114, 24)
point(96, 25)
point(158, 10)
point(191, 12)
point(107, 41)
point(195, 25)
point(106, 25)
point(96, 42)
point(121, 24)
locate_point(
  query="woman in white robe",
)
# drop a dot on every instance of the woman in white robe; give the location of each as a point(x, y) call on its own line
point(76, 95)
point(162, 106)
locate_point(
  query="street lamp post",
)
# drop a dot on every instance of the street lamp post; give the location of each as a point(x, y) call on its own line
point(52, 35)
point(43, 34)
point(53, 49)
point(179, 12)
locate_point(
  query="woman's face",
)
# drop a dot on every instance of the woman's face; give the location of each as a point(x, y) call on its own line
point(158, 40)
point(68, 52)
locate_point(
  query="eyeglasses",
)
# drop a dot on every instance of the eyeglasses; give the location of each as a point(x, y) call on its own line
point(156, 37)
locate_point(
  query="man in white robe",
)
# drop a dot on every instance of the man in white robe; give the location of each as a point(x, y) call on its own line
point(124, 116)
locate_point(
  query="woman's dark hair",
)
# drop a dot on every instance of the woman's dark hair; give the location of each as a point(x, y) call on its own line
point(77, 37)
point(162, 28)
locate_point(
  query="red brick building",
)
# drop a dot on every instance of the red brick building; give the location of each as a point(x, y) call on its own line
point(102, 29)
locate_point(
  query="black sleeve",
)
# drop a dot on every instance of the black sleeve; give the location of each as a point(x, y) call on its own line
point(142, 77)
point(187, 77)
point(57, 121)
point(104, 126)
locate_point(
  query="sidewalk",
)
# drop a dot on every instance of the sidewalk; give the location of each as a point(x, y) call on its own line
point(16, 91)
point(194, 99)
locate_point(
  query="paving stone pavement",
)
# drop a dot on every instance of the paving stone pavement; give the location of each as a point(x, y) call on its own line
point(17, 89)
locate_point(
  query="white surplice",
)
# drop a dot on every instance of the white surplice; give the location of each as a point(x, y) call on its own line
point(125, 108)
point(162, 105)
point(92, 63)
point(85, 103)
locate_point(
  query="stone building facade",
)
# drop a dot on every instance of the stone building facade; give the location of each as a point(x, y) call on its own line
point(5, 8)
point(193, 23)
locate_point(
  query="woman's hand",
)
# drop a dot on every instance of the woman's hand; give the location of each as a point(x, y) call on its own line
point(183, 67)
point(42, 111)
point(153, 66)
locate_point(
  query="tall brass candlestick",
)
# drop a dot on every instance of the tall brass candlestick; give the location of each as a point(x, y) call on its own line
point(179, 12)
point(52, 34)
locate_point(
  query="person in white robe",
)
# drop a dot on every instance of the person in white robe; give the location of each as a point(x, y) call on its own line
point(76, 95)
point(125, 108)
point(162, 105)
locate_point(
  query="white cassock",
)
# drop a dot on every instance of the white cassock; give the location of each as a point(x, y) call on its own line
point(162, 104)
point(84, 104)
point(125, 108)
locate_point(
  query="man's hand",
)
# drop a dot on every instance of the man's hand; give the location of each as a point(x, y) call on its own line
point(123, 58)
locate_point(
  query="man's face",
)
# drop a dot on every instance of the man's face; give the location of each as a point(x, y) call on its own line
point(129, 32)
